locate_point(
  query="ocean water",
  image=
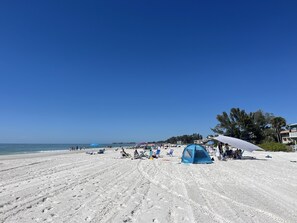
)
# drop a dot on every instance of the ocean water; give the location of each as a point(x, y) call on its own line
point(7, 149)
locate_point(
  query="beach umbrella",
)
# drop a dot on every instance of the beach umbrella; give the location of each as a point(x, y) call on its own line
point(94, 144)
point(238, 143)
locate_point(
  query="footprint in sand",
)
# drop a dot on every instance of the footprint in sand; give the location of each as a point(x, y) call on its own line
point(56, 202)
point(46, 209)
point(128, 219)
point(123, 205)
point(87, 219)
point(178, 207)
point(77, 207)
point(185, 219)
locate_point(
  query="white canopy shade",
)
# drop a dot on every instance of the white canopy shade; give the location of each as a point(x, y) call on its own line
point(238, 143)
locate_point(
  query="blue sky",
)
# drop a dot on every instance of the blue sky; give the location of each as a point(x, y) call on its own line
point(109, 71)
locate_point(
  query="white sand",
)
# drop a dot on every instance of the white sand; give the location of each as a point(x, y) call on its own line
point(75, 187)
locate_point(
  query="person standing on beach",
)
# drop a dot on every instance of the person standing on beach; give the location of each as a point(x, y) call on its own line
point(151, 153)
point(220, 147)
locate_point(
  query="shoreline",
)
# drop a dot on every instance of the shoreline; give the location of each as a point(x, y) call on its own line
point(38, 154)
point(27, 149)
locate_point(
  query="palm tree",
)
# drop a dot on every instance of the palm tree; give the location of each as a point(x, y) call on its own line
point(278, 123)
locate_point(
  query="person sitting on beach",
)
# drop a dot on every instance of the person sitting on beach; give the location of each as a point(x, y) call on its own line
point(235, 155)
point(124, 154)
point(154, 155)
point(151, 153)
point(229, 152)
point(238, 154)
point(170, 153)
point(136, 154)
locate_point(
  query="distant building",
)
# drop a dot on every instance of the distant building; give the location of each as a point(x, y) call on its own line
point(179, 142)
point(290, 136)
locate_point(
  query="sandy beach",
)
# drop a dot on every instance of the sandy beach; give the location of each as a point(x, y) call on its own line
point(76, 187)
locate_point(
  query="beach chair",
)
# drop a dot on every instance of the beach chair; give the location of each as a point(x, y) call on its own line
point(142, 154)
point(136, 154)
point(101, 151)
point(170, 152)
point(125, 155)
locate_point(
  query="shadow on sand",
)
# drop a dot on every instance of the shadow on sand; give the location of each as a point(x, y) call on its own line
point(252, 158)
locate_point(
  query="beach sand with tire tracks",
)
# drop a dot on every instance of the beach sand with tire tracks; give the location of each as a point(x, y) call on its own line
point(76, 187)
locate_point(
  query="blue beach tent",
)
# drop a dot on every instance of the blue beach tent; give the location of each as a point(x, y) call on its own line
point(195, 154)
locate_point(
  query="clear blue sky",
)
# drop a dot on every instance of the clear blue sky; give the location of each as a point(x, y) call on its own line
point(105, 71)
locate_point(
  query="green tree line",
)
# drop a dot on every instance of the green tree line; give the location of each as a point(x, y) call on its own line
point(185, 139)
point(256, 127)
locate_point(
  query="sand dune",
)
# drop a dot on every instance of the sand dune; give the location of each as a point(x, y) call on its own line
point(75, 187)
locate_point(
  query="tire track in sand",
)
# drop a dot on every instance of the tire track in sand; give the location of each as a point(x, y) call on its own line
point(40, 199)
point(215, 217)
point(240, 204)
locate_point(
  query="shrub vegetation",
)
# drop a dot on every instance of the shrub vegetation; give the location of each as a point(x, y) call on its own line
point(275, 147)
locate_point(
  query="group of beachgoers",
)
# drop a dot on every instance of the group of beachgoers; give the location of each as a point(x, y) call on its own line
point(100, 151)
point(153, 154)
point(224, 152)
point(76, 148)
